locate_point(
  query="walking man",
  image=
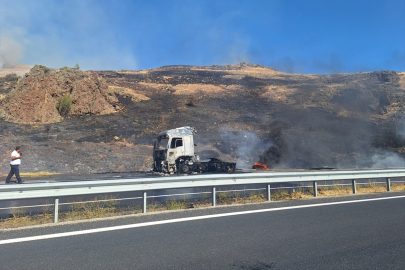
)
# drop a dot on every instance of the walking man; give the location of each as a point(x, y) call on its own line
point(15, 161)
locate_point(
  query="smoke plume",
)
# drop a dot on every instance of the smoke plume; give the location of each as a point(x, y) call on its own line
point(10, 50)
point(326, 143)
point(246, 145)
point(386, 159)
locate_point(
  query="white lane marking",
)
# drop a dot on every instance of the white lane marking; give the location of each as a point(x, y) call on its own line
point(152, 223)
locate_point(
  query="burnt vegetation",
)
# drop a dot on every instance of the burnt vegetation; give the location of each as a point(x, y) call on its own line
point(243, 113)
point(8, 82)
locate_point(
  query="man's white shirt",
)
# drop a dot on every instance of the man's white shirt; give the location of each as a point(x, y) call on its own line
point(15, 161)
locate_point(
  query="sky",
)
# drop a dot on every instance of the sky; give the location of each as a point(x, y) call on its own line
point(294, 36)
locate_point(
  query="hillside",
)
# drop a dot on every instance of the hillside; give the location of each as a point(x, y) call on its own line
point(242, 113)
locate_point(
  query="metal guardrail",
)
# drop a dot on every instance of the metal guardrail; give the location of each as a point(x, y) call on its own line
point(57, 190)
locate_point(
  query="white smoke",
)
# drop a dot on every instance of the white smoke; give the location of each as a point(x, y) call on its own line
point(61, 33)
point(10, 50)
point(400, 128)
point(246, 145)
point(387, 160)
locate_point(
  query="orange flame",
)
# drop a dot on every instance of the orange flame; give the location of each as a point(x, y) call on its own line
point(260, 166)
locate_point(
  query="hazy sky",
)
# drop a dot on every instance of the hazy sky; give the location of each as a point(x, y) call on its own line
point(324, 36)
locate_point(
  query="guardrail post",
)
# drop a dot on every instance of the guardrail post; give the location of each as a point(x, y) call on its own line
point(315, 184)
point(268, 192)
point(144, 202)
point(56, 211)
point(214, 197)
point(354, 186)
point(388, 184)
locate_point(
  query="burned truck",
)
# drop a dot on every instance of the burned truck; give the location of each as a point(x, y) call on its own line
point(173, 152)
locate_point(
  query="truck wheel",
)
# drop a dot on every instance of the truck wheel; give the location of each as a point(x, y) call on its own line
point(203, 168)
point(184, 168)
point(228, 168)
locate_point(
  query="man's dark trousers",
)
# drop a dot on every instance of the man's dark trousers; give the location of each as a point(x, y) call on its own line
point(14, 170)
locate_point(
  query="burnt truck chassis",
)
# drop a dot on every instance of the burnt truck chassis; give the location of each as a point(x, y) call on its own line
point(186, 166)
point(173, 152)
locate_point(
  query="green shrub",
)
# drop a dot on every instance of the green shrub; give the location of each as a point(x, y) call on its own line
point(64, 105)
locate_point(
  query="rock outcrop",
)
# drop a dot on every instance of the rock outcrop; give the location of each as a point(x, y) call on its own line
point(35, 97)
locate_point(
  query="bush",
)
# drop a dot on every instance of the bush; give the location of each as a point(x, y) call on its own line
point(64, 105)
point(11, 77)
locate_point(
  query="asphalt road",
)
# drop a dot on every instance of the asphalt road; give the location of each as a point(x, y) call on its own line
point(304, 234)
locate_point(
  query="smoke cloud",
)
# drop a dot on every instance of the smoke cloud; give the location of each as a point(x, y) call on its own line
point(246, 145)
point(63, 33)
point(387, 159)
point(10, 50)
point(326, 144)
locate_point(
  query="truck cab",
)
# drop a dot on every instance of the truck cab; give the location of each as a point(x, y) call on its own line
point(173, 149)
point(173, 152)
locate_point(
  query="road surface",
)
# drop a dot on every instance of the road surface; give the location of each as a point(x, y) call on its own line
point(350, 232)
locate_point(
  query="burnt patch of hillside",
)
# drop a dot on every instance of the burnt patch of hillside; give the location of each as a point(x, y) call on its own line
point(242, 113)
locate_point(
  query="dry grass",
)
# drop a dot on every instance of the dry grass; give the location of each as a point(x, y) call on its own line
point(37, 174)
point(195, 89)
point(144, 71)
point(360, 189)
point(19, 218)
point(297, 194)
point(101, 207)
point(108, 206)
point(104, 206)
point(372, 188)
point(397, 187)
point(402, 79)
point(128, 92)
point(335, 191)
point(34, 174)
point(278, 93)
point(257, 72)
point(186, 89)
point(172, 205)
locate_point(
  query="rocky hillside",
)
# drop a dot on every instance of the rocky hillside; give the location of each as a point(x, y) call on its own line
point(35, 99)
point(242, 113)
